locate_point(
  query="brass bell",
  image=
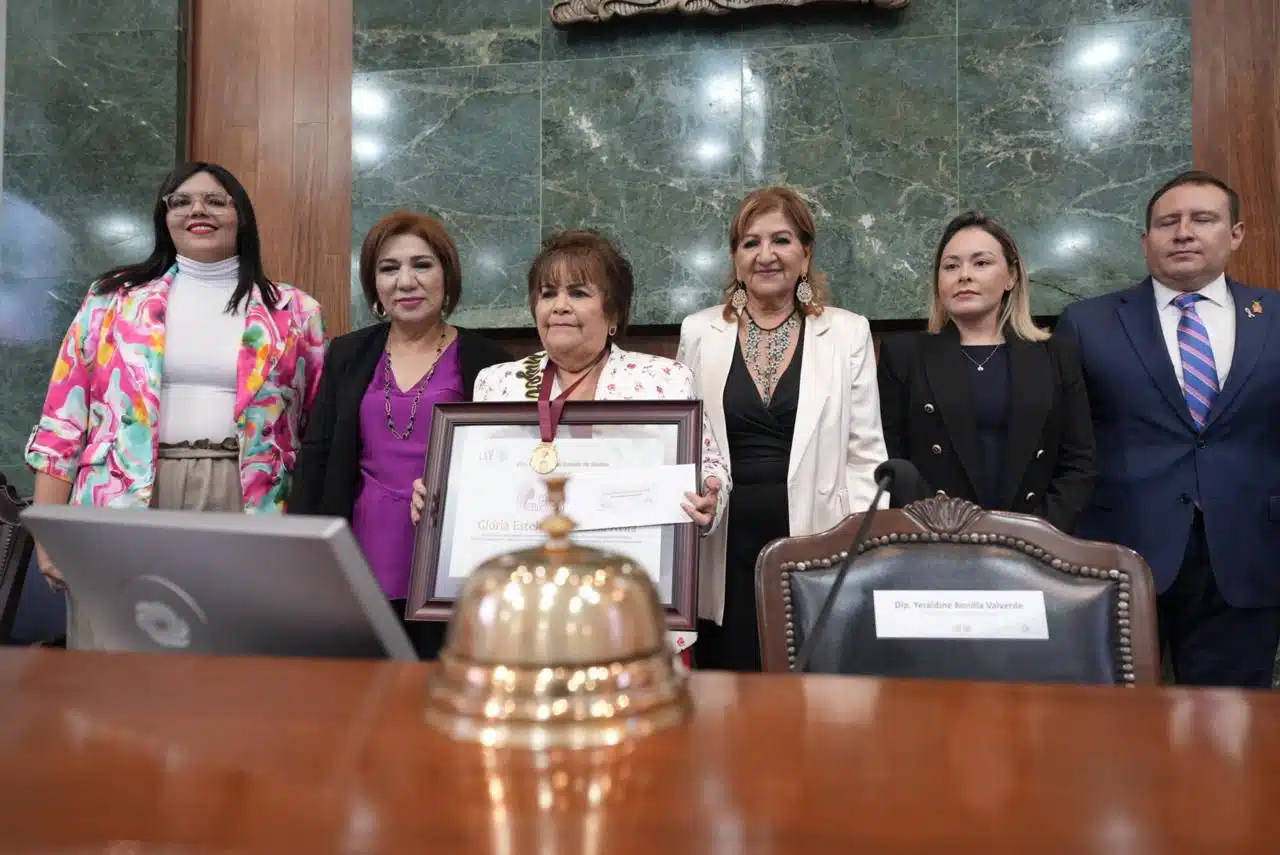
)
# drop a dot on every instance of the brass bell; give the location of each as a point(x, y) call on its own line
point(557, 646)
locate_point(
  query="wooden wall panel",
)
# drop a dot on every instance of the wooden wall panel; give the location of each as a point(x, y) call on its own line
point(335, 216)
point(270, 99)
point(1235, 46)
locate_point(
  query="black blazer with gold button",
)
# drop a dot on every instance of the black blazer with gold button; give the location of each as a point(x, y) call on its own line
point(928, 417)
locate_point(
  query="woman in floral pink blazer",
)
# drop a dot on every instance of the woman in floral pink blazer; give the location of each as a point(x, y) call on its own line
point(184, 381)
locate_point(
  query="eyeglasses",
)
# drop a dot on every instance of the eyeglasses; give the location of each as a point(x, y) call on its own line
point(184, 201)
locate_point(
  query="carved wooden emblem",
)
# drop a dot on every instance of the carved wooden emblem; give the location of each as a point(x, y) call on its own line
point(594, 11)
point(943, 514)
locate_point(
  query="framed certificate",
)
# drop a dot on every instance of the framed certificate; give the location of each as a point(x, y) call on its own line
point(484, 497)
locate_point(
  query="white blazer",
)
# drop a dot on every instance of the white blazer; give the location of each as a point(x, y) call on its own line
point(838, 441)
point(627, 376)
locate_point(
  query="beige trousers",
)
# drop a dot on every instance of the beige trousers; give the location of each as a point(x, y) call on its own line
point(203, 476)
point(195, 478)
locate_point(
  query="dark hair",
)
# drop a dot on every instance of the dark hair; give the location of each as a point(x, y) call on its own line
point(165, 253)
point(430, 230)
point(1197, 178)
point(592, 257)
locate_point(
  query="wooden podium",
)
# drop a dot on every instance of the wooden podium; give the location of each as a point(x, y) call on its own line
point(165, 754)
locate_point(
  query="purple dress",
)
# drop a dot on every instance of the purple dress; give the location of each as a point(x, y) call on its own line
point(388, 467)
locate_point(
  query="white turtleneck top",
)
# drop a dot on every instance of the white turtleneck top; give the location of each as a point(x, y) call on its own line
point(201, 349)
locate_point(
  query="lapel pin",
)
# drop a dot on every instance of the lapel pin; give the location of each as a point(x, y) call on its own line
point(1255, 308)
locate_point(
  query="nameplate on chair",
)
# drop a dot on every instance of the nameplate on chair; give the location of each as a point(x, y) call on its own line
point(979, 615)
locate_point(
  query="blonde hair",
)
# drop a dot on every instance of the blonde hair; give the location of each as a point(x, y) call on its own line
point(768, 200)
point(1015, 306)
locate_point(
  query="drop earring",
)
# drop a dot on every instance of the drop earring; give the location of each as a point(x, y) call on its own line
point(804, 291)
point(739, 299)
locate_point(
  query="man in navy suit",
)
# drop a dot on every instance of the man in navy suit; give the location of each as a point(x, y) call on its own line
point(1183, 374)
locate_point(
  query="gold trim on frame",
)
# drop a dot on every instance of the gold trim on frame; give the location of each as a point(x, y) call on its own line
point(595, 11)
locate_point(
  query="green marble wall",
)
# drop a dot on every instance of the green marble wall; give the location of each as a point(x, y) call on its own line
point(92, 123)
point(1059, 116)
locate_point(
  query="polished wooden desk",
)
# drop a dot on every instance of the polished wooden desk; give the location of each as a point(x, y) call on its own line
point(273, 756)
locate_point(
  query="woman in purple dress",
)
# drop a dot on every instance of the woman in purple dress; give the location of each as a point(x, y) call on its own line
point(367, 438)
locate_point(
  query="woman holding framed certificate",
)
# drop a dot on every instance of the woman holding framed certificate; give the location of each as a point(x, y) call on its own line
point(789, 384)
point(580, 289)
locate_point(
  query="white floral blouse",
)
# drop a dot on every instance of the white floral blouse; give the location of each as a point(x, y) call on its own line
point(627, 376)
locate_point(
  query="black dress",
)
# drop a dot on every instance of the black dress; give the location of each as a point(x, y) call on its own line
point(992, 398)
point(759, 454)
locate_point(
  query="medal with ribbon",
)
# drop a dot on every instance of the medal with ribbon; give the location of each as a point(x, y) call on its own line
point(545, 458)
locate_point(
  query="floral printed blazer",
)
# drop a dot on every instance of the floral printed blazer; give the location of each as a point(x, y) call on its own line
point(99, 427)
point(627, 376)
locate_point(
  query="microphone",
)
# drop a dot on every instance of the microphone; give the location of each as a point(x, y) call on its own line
point(887, 474)
point(907, 486)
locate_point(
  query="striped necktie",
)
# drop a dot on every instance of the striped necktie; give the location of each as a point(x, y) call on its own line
point(1199, 375)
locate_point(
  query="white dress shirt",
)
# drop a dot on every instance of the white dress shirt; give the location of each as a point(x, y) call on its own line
point(1218, 312)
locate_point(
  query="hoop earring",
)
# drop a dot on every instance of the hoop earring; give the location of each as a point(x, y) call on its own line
point(378, 311)
point(804, 291)
point(613, 330)
point(739, 299)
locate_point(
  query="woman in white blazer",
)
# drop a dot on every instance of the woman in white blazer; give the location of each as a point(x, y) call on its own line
point(789, 387)
point(580, 289)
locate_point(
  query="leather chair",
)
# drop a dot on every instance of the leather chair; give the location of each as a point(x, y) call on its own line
point(1099, 598)
point(16, 546)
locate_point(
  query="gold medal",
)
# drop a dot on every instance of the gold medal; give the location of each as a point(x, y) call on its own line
point(545, 458)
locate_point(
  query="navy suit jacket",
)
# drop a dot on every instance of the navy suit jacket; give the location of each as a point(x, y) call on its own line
point(1153, 465)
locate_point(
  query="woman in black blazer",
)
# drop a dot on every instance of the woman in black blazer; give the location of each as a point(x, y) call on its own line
point(986, 405)
point(367, 438)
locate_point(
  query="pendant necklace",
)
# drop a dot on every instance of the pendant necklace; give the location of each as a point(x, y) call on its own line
point(976, 363)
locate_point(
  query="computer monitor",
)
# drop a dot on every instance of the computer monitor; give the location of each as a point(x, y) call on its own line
point(218, 583)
